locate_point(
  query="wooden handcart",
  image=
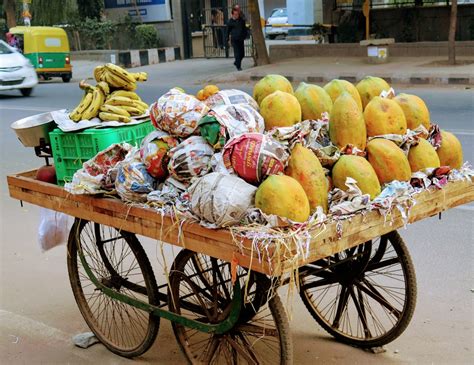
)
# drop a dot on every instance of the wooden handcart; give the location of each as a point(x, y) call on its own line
point(360, 287)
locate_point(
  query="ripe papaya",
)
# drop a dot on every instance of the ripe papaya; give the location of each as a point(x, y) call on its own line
point(370, 87)
point(305, 167)
point(314, 101)
point(270, 84)
point(346, 123)
point(450, 151)
point(384, 116)
point(283, 196)
point(422, 156)
point(415, 110)
point(388, 161)
point(336, 87)
point(360, 170)
point(280, 109)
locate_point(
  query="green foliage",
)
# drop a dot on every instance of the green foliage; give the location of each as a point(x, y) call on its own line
point(50, 12)
point(147, 36)
point(95, 34)
point(91, 9)
point(471, 30)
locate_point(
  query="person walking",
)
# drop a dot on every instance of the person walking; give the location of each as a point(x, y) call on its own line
point(237, 31)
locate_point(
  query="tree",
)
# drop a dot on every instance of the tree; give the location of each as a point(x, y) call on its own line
point(9, 6)
point(50, 12)
point(452, 33)
point(261, 54)
point(91, 9)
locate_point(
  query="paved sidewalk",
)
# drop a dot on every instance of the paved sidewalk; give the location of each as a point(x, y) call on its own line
point(407, 70)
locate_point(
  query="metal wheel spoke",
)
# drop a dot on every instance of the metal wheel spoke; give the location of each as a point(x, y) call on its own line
point(361, 311)
point(246, 353)
point(317, 283)
point(380, 264)
point(374, 294)
point(256, 330)
point(341, 305)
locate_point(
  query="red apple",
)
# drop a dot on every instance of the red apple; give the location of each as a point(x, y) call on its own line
point(46, 174)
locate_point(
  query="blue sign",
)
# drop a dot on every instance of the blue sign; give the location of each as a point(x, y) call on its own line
point(143, 10)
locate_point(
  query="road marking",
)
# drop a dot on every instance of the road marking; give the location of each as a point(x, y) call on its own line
point(34, 109)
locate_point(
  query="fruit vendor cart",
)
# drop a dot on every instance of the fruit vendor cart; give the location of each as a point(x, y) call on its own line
point(356, 278)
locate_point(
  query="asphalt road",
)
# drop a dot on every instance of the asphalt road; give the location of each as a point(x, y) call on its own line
point(38, 314)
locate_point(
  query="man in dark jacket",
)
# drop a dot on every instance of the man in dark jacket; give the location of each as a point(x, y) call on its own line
point(237, 31)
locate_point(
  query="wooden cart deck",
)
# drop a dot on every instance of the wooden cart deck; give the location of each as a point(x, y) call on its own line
point(219, 243)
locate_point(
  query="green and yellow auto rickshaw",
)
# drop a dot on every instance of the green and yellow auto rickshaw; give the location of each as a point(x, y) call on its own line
point(48, 50)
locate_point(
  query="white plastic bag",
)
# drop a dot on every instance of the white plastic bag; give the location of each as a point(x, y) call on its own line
point(53, 229)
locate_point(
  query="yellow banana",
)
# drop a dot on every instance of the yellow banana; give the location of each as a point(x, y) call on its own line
point(120, 72)
point(140, 104)
point(130, 87)
point(114, 117)
point(120, 110)
point(125, 94)
point(104, 87)
point(113, 80)
point(99, 73)
point(132, 110)
point(98, 99)
point(139, 76)
point(76, 114)
point(120, 100)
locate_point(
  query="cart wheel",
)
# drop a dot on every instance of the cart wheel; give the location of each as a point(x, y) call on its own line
point(119, 262)
point(364, 296)
point(201, 289)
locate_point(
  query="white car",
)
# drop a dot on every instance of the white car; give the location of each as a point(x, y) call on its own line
point(16, 71)
point(276, 23)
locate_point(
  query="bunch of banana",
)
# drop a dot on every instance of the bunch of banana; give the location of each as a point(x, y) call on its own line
point(117, 77)
point(88, 108)
point(121, 105)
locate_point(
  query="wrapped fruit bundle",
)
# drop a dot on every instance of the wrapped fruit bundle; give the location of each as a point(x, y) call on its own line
point(221, 199)
point(254, 156)
point(230, 97)
point(177, 113)
point(133, 182)
point(227, 121)
point(154, 153)
point(191, 158)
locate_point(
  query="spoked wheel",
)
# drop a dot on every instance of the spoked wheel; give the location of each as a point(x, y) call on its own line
point(119, 262)
point(364, 296)
point(201, 289)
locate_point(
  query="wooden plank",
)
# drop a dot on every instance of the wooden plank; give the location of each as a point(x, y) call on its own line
point(218, 243)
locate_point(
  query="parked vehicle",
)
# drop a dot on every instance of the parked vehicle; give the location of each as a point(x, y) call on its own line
point(16, 71)
point(277, 23)
point(47, 48)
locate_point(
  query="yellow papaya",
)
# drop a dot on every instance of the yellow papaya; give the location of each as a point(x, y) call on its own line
point(415, 110)
point(370, 87)
point(270, 84)
point(313, 101)
point(360, 170)
point(384, 116)
point(283, 196)
point(336, 87)
point(450, 151)
point(388, 161)
point(280, 109)
point(346, 123)
point(305, 167)
point(422, 156)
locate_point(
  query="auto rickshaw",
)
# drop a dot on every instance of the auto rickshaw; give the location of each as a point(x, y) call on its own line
point(48, 50)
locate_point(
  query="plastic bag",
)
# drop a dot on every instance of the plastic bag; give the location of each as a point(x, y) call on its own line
point(53, 229)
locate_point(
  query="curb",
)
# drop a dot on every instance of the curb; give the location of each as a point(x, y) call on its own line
point(393, 79)
point(137, 58)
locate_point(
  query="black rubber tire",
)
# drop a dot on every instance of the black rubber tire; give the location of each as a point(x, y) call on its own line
point(26, 91)
point(274, 305)
point(406, 313)
point(150, 286)
point(66, 78)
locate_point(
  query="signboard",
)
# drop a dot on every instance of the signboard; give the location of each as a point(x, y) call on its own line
point(145, 10)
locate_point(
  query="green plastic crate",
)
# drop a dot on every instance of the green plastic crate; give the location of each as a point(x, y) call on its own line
point(72, 149)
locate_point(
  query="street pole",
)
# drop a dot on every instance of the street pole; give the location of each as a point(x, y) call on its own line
point(366, 12)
